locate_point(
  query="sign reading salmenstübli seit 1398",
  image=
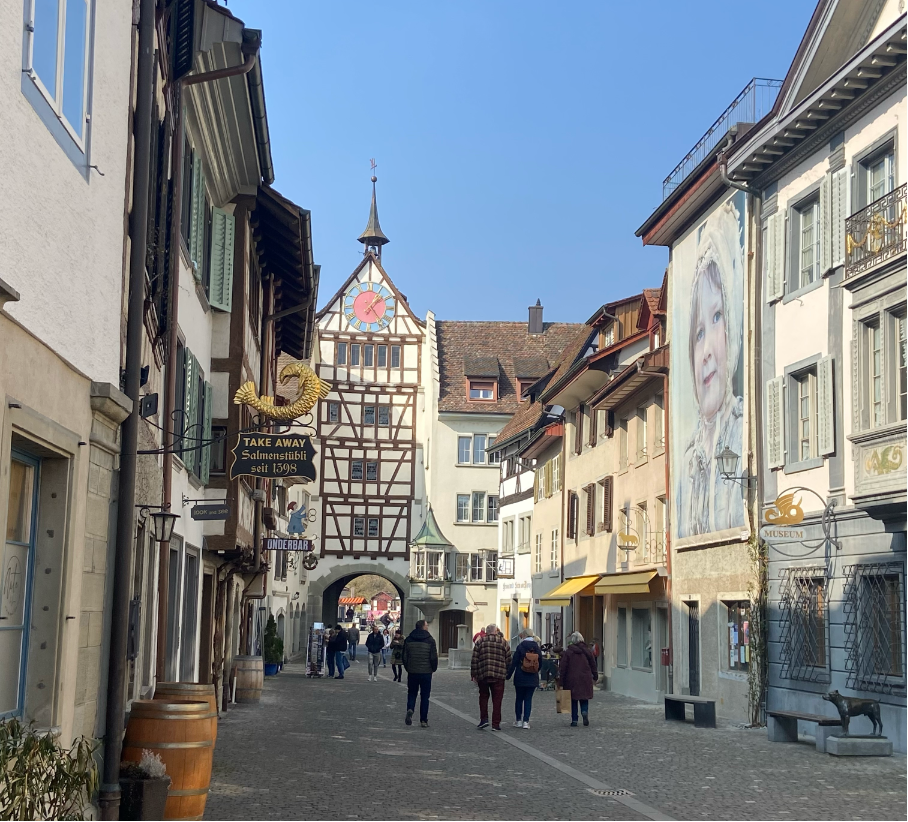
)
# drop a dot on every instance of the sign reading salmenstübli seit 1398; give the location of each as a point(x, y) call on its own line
point(278, 544)
point(273, 456)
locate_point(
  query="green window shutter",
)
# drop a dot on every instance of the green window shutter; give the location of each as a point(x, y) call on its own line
point(775, 425)
point(191, 455)
point(188, 378)
point(220, 290)
point(196, 218)
point(775, 263)
point(825, 224)
point(205, 453)
point(840, 210)
point(825, 408)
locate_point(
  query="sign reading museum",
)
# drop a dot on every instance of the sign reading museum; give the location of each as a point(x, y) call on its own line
point(273, 456)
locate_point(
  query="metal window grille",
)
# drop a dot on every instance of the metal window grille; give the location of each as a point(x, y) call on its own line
point(803, 624)
point(875, 627)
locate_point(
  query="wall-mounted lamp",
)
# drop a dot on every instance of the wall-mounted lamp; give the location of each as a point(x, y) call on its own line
point(728, 468)
point(162, 521)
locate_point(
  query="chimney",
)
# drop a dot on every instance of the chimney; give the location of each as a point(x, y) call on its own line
point(535, 324)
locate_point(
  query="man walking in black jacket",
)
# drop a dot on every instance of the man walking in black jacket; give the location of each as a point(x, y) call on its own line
point(421, 661)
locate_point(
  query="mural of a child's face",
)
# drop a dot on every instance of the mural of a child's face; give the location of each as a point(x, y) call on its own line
point(710, 349)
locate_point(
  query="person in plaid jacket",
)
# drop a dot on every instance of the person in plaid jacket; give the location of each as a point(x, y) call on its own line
point(489, 669)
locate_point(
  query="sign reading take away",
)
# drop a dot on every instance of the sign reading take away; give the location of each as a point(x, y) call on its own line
point(273, 456)
point(278, 544)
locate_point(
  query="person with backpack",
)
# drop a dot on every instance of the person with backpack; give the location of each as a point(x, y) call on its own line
point(488, 669)
point(577, 672)
point(375, 644)
point(420, 660)
point(524, 668)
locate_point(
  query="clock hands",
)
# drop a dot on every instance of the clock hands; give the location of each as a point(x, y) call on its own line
point(371, 305)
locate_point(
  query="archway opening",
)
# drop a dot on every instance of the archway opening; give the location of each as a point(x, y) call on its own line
point(383, 600)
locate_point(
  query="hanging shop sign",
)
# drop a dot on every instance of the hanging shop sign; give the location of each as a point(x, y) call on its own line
point(505, 568)
point(782, 521)
point(310, 389)
point(273, 456)
point(278, 544)
point(210, 511)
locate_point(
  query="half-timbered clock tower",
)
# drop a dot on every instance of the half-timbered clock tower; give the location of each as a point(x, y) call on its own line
point(371, 475)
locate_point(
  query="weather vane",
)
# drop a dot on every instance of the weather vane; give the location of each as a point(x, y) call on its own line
point(372, 161)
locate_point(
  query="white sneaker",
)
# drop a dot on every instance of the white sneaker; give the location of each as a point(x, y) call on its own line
point(518, 724)
point(526, 726)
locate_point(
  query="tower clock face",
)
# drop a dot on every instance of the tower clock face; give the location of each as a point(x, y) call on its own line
point(369, 306)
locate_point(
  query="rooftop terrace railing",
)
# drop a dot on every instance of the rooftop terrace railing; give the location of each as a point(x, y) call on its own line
point(750, 106)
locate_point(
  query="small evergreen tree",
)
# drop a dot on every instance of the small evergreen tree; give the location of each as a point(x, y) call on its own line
point(273, 645)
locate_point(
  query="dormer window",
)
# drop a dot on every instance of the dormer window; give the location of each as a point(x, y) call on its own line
point(483, 390)
point(523, 385)
point(608, 336)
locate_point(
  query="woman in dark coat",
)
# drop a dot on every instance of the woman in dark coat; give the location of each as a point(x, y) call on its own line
point(525, 682)
point(577, 673)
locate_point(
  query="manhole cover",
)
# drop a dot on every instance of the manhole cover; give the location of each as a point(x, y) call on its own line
point(618, 792)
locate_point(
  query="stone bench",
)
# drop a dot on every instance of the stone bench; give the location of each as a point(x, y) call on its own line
point(704, 709)
point(782, 726)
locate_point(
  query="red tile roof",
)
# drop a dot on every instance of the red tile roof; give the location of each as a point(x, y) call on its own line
point(462, 344)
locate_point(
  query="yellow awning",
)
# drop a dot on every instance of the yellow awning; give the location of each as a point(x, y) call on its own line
point(636, 583)
point(524, 608)
point(561, 594)
point(506, 608)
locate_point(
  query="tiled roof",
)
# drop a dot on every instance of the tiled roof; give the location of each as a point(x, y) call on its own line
point(507, 342)
point(530, 367)
point(526, 416)
point(651, 295)
point(480, 366)
point(572, 351)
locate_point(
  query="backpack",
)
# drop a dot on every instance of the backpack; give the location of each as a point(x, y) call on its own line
point(530, 663)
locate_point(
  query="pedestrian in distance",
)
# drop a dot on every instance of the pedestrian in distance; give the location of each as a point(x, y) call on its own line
point(577, 672)
point(420, 659)
point(524, 668)
point(336, 650)
point(352, 641)
point(375, 644)
point(397, 655)
point(386, 638)
point(488, 669)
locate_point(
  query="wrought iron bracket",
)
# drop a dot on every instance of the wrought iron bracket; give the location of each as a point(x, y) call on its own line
point(187, 500)
point(827, 519)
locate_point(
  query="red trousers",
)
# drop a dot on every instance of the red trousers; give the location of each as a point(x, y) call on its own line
point(495, 689)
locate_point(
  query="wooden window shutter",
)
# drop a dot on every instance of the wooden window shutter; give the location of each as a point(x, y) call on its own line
point(578, 430)
point(182, 30)
point(825, 224)
point(220, 290)
point(775, 431)
point(205, 453)
point(547, 479)
point(607, 495)
point(590, 510)
point(825, 407)
point(197, 218)
point(572, 516)
point(775, 261)
point(593, 426)
point(536, 485)
point(840, 209)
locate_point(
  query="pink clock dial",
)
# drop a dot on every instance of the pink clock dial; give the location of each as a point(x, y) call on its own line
point(369, 307)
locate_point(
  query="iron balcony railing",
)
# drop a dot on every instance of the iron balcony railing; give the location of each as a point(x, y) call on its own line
point(750, 106)
point(876, 233)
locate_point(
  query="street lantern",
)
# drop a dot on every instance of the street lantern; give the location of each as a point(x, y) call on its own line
point(162, 523)
point(728, 463)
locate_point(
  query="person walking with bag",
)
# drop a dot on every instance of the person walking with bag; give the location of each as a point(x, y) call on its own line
point(352, 641)
point(420, 658)
point(489, 669)
point(397, 655)
point(375, 644)
point(524, 668)
point(577, 673)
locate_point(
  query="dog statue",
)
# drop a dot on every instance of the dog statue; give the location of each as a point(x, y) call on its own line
point(850, 706)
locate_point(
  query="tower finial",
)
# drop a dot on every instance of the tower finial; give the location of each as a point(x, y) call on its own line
point(373, 238)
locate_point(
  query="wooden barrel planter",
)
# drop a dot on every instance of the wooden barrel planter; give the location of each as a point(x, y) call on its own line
point(190, 692)
point(180, 733)
point(249, 678)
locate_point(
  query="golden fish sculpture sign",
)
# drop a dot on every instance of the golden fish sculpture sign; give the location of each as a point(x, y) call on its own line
point(310, 389)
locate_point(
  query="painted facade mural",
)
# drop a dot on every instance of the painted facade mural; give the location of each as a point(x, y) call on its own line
point(707, 404)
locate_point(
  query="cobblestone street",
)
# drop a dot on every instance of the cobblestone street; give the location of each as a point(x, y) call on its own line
point(321, 749)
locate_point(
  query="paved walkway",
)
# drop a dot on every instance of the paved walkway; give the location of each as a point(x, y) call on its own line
point(325, 749)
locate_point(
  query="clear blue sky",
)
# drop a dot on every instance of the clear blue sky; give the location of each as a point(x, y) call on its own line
point(519, 144)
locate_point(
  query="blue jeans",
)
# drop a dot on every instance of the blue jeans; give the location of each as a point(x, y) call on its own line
point(352, 649)
point(584, 707)
point(421, 683)
point(338, 663)
point(384, 657)
point(523, 704)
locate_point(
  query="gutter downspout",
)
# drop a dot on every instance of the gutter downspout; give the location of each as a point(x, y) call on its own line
point(173, 331)
point(109, 798)
point(722, 162)
point(668, 532)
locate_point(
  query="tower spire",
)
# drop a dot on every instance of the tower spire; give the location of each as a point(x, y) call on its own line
point(373, 238)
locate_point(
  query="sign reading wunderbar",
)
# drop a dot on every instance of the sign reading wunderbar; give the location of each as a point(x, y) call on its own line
point(273, 456)
point(278, 544)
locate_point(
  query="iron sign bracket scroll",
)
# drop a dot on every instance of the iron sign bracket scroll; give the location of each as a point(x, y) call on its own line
point(788, 512)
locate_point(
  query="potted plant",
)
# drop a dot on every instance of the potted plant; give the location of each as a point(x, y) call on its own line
point(143, 787)
point(39, 779)
point(273, 648)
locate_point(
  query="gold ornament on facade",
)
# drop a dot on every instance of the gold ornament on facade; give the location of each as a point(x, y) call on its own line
point(787, 511)
point(875, 235)
point(310, 388)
